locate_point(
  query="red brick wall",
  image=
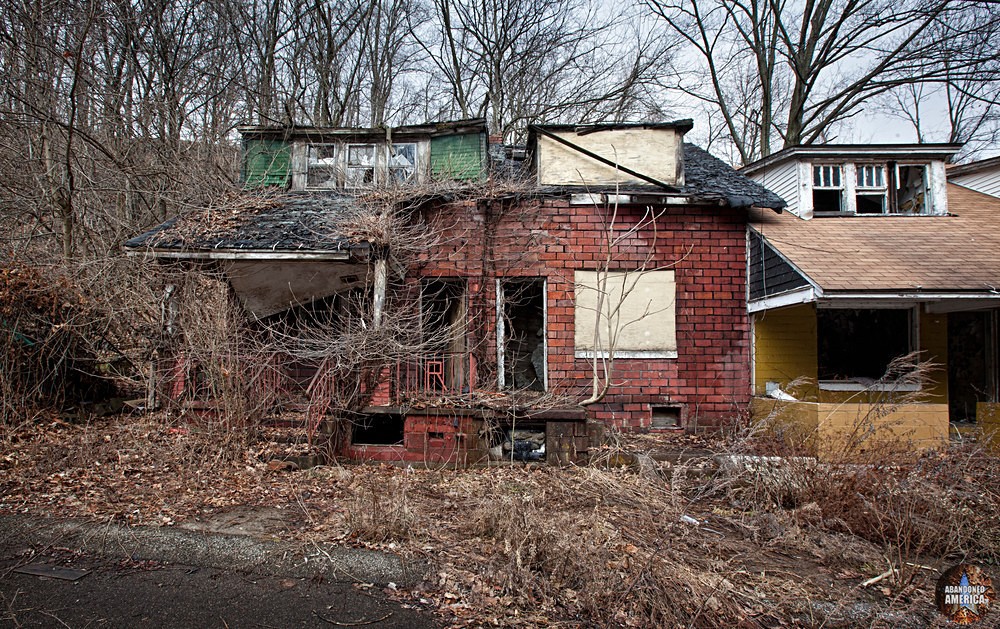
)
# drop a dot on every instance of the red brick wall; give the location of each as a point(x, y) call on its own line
point(705, 246)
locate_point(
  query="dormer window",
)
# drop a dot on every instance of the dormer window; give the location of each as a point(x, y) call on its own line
point(828, 188)
point(323, 166)
point(869, 189)
point(357, 165)
point(872, 193)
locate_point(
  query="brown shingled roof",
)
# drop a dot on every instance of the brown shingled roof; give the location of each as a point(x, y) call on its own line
point(958, 252)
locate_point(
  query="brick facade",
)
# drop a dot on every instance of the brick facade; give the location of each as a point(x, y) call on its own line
point(550, 238)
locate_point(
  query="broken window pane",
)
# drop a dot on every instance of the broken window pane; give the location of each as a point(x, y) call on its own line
point(323, 166)
point(360, 164)
point(872, 194)
point(858, 345)
point(402, 162)
point(444, 313)
point(522, 333)
point(911, 192)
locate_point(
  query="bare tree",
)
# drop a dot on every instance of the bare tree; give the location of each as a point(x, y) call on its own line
point(521, 61)
point(786, 72)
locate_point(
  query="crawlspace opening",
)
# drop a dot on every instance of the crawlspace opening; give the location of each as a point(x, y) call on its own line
point(665, 417)
point(377, 429)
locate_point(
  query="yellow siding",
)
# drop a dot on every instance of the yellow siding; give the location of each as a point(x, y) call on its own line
point(846, 430)
point(785, 348)
point(988, 419)
point(934, 347)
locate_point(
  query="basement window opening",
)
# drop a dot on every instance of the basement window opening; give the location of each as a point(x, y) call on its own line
point(857, 345)
point(378, 429)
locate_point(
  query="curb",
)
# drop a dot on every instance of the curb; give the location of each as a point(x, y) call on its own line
point(213, 550)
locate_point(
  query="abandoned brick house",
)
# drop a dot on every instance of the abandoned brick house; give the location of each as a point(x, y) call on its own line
point(525, 245)
point(884, 251)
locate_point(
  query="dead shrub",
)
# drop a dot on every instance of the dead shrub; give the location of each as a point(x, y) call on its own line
point(379, 510)
point(51, 344)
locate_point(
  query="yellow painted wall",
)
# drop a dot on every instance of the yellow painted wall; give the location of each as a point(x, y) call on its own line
point(988, 419)
point(845, 430)
point(785, 348)
point(934, 347)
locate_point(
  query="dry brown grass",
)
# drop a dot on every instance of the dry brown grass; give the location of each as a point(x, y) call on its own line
point(537, 546)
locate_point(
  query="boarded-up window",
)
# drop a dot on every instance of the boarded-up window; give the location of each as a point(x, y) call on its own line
point(460, 157)
point(628, 313)
point(265, 163)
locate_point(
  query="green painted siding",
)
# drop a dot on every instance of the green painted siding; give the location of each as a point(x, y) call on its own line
point(266, 163)
point(458, 156)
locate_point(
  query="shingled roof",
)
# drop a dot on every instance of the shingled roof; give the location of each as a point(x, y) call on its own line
point(291, 221)
point(708, 177)
point(895, 253)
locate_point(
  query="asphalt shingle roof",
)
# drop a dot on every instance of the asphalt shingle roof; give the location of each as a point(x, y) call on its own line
point(291, 221)
point(957, 252)
point(707, 176)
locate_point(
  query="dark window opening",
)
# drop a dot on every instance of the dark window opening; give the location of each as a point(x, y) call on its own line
point(827, 201)
point(858, 345)
point(972, 355)
point(911, 190)
point(665, 417)
point(378, 429)
point(873, 203)
point(524, 333)
point(444, 313)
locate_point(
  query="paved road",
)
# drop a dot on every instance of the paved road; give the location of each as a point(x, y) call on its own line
point(127, 593)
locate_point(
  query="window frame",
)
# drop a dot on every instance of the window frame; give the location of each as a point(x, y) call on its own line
point(817, 171)
point(855, 383)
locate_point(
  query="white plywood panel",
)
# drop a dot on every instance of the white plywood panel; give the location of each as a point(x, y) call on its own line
point(652, 152)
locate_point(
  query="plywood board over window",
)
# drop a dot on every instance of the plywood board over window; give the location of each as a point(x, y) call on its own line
point(625, 314)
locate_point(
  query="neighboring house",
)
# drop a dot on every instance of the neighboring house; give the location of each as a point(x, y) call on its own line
point(878, 256)
point(625, 219)
point(982, 176)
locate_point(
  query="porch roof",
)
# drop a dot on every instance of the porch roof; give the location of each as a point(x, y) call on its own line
point(255, 222)
point(911, 255)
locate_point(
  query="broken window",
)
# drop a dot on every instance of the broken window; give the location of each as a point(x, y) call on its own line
point(323, 168)
point(911, 189)
point(872, 193)
point(445, 365)
point(857, 345)
point(625, 314)
point(521, 333)
point(828, 188)
point(402, 162)
point(360, 165)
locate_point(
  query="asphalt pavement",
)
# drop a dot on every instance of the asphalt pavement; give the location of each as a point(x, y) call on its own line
point(98, 575)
